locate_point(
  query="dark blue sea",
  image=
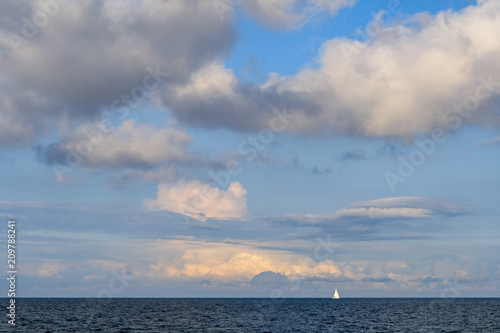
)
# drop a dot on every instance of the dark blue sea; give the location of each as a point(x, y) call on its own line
point(256, 315)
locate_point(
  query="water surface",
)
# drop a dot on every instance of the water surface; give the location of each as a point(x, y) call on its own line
point(256, 315)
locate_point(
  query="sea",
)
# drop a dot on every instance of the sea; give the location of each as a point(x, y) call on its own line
point(255, 315)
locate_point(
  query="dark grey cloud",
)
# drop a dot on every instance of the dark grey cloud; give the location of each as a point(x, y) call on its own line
point(90, 54)
point(354, 155)
point(340, 278)
point(247, 108)
point(326, 171)
point(269, 279)
point(206, 283)
point(428, 279)
point(390, 149)
point(383, 280)
point(317, 170)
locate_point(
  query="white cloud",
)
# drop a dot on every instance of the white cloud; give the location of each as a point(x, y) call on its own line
point(380, 213)
point(235, 262)
point(405, 80)
point(402, 82)
point(200, 201)
point(431, 204)
point(212, 80)
point(382, 209)
point(131, 144)
point(238, 263)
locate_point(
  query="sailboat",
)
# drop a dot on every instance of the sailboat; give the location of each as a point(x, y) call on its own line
point(336, 295)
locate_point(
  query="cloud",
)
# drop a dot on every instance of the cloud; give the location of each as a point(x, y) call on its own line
point(93, 277)
point(268, 279)
point(381, 213)
point(462, 276)
point(289, 14)
point(107, 265)
point(402, 82)
point(322, 171)
point(224, 262)
point(213, 98)
point(389, 149)
point(355, 155)
point(368, 218)
point(437, 206)
point(129, 177)
point(51, 268)
point(377, 280)
point(200, 201)
point(361, 214)
point(248, 265)
point(206, 283)
point(428, 279)
point(91, 54)
point(21, 204)
point(129, 145)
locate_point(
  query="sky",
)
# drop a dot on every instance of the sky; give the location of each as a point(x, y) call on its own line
point(251, 148)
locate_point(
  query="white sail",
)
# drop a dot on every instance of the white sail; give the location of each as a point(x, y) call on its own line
point(336, 295)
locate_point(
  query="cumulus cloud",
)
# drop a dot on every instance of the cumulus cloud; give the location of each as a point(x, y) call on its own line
point(230, 262)
point(405, 80)
point(90, 54)
point(200, 201)
point(213, 98)
point(247, 265)
point(129, 145)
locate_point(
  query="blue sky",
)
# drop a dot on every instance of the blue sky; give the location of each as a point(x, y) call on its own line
point(252, 148)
